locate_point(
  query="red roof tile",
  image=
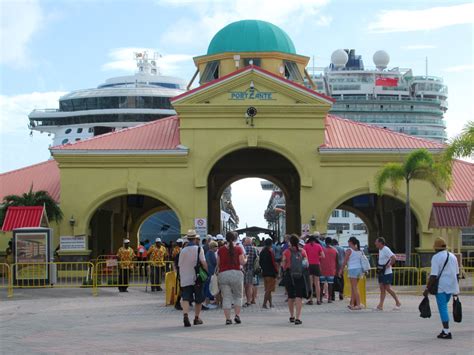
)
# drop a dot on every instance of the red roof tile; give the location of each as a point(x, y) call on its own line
point(346, 134)
point(42, 176)
point(257, 69)
point(21, 217)
point(462, 188)
point(445, 215)
point(162, 134)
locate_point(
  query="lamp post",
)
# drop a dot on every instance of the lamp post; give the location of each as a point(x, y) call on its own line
point(312, 221)
point(72, 223)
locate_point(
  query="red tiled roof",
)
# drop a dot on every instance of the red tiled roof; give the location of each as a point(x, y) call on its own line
point(257, 69)
point(21, 217)
point(462, 188)
point(162, 134)
point(42, 176)
point(446, 215)
point(346, 134)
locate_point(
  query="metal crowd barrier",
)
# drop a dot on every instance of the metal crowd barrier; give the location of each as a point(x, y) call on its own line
point(406, 280)
point(5, 278)
point(114, 273)
point(53, 274)
point(415, 260)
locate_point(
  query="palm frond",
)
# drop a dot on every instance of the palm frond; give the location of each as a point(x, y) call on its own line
point(391, 172)
point(417, 159)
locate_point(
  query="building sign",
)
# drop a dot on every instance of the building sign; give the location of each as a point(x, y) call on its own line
point(200, 225)
point(400, 257)
point(252, 94)
point(72, 243)
point(31, 255)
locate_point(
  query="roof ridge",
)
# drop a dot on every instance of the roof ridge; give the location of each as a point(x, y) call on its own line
point(28, 167)
point(386, 130)
point(160, 120)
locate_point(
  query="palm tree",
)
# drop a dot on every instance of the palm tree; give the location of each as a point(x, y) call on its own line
point(33, 198)
point(419, 165)
point(462, 145)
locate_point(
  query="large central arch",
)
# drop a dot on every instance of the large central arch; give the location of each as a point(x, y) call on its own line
point(255, 162)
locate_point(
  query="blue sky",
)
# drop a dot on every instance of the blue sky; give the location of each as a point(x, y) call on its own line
point(57, 46)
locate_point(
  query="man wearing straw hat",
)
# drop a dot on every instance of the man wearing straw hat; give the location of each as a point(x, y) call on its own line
point(445, 268)
point(190, 291)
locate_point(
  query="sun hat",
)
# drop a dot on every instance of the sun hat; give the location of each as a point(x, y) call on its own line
point(439, 243)
point(179, 240)
point(158, 240)
point(191, 234)
point(220, 237)
point(213, 244)
point(126, 240)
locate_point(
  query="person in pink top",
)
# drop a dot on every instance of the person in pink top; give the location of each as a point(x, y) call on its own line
point(328, 268)
point(315, 252)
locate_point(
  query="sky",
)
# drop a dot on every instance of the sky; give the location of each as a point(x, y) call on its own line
point(58, 46)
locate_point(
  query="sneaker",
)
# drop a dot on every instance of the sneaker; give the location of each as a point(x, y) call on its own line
point(197, 321)
point(292, 319)
point(186, 321)
point(211, 306)
point(443, 335)
point(204, 307)
point(298, 322)
point(228, 322)
point(237, 320)
point(310, 303)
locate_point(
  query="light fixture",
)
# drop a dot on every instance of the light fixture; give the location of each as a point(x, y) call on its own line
point(72, 221)
point(252, 85)
point(237, 61)
point(313, 220)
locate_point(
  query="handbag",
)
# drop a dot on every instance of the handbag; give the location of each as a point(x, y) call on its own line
point(424, 308)
point(364, 263)
point(337, 287)
point(201, 273)
point(457, 309)
point(433, 285)
point(214, 285)
point(257, 270)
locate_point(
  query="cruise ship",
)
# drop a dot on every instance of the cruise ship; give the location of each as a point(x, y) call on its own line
point(120, 102)
point(391, 98)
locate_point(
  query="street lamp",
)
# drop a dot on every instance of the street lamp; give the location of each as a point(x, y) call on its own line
point(72, 223)
point(312, 221)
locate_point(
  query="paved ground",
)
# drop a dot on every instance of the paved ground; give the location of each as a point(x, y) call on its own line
point(72, 321)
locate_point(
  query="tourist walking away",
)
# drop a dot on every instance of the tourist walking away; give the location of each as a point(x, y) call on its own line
point(250, 272)
point(293, 263)
point(157, 254)
point(445, 270)
point(353, 260)
point(385, 262)
point(190, 257)
point(339, 280)
point(315, 252)
point(229, 260)
point(211, 260)
point(175, 258)
point(328, 269)
point(270, 268)
point(125, 256)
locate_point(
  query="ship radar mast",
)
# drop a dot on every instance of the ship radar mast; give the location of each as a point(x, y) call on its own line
point(147, 65)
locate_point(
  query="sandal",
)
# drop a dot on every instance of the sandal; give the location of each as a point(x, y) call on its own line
point(228, 322)
point(310, 303)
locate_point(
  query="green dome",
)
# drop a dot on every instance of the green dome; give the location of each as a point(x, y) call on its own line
point(251, 36)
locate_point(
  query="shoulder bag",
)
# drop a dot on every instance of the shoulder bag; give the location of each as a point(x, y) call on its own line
point(433, 285)
point(364, 262)
point(201, 273)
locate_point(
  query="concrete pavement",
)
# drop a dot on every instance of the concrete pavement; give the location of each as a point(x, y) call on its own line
point(53, 321)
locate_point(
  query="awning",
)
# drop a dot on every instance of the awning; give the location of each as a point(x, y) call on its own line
point(24, 216)
point(449, 215)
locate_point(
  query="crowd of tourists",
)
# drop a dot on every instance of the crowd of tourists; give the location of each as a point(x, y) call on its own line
point(226, 272)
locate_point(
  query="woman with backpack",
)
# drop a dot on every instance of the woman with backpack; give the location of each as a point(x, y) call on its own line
point(294, 261)
point(231, 279)
point(353, 260)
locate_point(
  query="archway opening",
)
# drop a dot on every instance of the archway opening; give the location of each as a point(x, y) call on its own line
point(163, 224)
point(122, 217)
point(382, 216)
point(257, 163)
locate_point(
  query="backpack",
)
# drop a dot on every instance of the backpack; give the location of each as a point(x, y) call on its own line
point(257, 270)
point(296, 265)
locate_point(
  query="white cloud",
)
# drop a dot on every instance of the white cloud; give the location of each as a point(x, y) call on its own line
point(19, 21)
point(413, 47)
point(123, 59)
point(460, 68)
point(211, 16)
point(423, 20)
point(14, 109)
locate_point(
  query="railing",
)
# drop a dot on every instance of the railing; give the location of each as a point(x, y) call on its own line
point(406, 280)
point(415, 260)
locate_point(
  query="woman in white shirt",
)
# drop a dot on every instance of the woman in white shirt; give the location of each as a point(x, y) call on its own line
point(354, 270)
point(445, 263)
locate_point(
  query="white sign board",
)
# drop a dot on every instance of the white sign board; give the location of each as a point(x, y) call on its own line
point(304, 229)
point(72, 243)
point(200, 224)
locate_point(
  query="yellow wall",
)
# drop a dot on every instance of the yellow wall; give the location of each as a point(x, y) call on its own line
point(212, 126)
